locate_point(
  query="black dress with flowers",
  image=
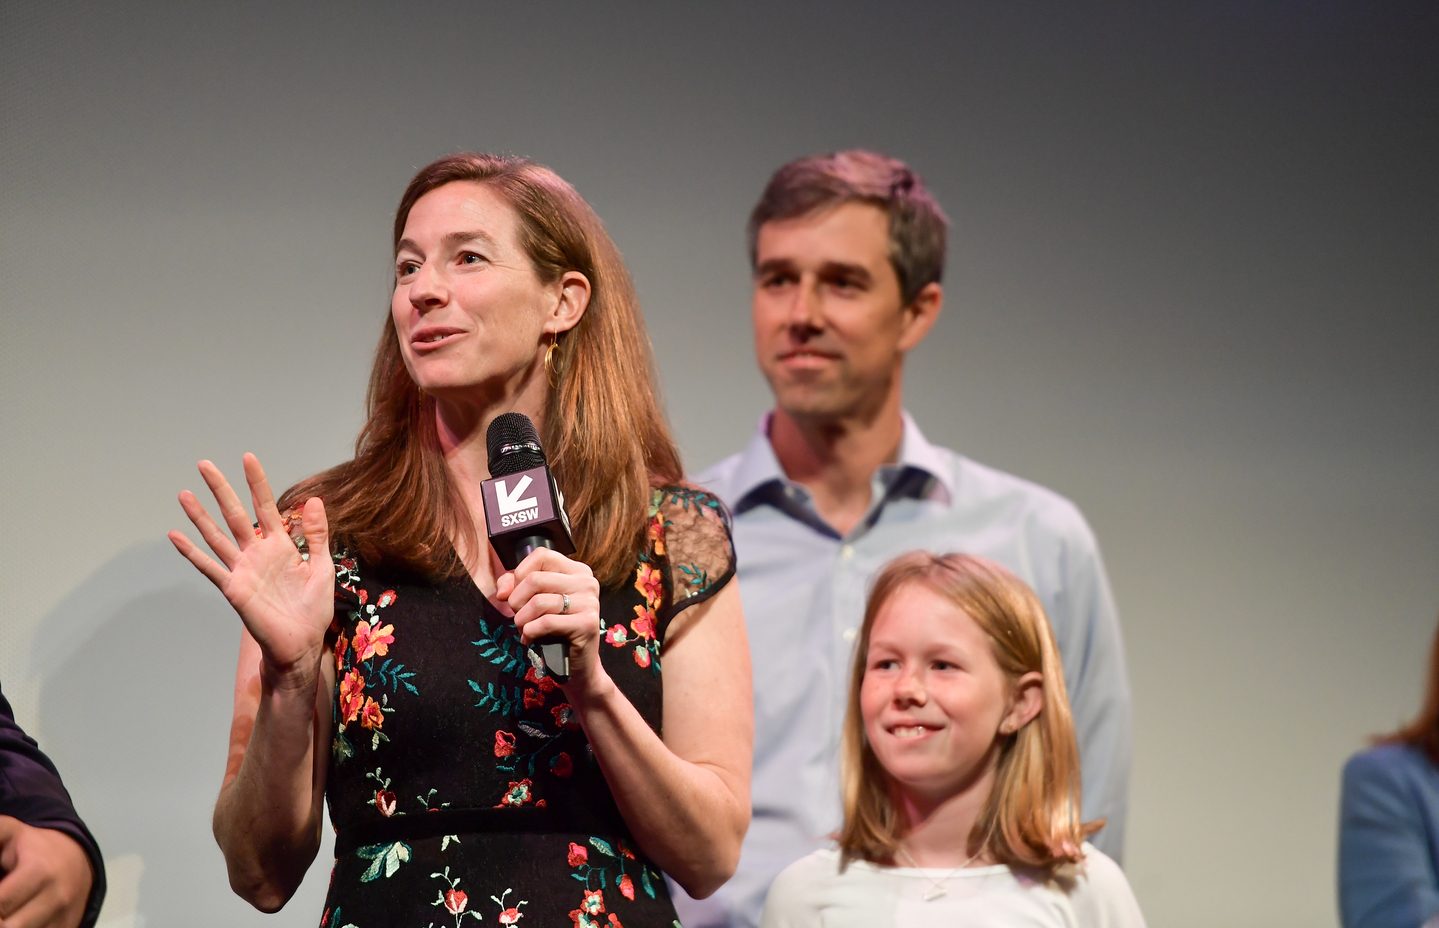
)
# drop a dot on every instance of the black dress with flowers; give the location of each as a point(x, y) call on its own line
point(460, 785)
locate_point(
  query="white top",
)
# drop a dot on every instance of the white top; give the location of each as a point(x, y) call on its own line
point(812, 892)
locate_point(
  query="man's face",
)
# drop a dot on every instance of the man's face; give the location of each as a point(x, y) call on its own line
point(829, 328)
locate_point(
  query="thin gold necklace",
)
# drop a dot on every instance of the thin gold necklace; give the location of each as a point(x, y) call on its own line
point(937, 887)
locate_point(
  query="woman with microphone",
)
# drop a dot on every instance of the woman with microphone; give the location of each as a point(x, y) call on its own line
point(385, 662)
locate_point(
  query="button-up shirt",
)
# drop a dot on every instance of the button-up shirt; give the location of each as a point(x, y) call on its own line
point(803, 587)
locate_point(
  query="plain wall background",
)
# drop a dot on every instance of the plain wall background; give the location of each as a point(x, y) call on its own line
point(1192, 284)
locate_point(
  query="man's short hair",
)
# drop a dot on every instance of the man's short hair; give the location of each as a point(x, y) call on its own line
point(815, 183)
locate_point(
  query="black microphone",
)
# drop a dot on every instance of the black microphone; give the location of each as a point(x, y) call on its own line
point(525, 510)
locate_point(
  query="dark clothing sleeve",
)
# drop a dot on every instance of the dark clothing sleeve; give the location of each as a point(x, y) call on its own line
point(31, 791)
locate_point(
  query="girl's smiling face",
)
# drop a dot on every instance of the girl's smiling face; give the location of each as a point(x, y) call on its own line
point(934, 702)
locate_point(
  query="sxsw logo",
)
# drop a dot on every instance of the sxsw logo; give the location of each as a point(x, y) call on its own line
point(515, 507)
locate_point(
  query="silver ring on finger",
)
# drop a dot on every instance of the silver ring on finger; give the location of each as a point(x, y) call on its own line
point(564, 604)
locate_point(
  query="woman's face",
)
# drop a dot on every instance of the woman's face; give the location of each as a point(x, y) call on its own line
point(933, 696)
point(469, 309)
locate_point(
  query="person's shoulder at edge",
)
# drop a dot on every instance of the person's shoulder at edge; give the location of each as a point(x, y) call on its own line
point(984, 491)
point(1104, 891)
point(719, 475)
point(1385, 761)
point(973, 479)
point(1388, 777)
point(724, 477)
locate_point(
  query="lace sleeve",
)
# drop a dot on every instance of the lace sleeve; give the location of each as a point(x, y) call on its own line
point(690, 530)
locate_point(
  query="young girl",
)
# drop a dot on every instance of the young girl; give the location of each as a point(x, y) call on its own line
point(961, 775)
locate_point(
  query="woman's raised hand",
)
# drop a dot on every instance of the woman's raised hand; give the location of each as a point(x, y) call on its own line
point(554, 596)
point(286, 601)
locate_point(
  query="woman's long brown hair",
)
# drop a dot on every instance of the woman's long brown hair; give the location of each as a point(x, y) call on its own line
point(604, 431)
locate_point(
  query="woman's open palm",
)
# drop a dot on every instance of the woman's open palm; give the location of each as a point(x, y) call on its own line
point(285, 598)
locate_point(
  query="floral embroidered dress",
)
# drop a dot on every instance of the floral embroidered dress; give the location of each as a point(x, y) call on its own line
point(461, 786)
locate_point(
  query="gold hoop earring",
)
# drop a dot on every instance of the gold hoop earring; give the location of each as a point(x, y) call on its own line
point(553, 369)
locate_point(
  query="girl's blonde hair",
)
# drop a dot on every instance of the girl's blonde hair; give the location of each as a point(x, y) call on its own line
point(1032, 817)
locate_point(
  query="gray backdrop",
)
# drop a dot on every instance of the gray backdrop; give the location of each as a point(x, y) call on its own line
point(1192, 285)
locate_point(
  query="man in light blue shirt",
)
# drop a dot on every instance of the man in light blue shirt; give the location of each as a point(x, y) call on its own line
point(847, 252)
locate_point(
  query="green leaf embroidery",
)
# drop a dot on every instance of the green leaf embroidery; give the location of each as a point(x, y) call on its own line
point(395, 677)
point(496, 700)
point(501, 648)
point(383, 856)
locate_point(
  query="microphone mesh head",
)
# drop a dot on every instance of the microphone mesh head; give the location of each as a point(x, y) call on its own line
point(513, 444)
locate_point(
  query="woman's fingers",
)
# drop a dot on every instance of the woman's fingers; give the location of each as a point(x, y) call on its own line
point(262, 497)
point(556, 604)
point(231, 509)
point(203, 562)
point(551, 561)
point(220, 543)
point(317, 531)
point(543, 569)
point(556, 600)
point(544, 616)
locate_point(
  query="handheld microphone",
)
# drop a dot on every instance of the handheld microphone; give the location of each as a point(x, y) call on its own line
point(525, 510)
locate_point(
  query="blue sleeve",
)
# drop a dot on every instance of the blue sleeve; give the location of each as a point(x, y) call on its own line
point(31, 791)
point(1386, 869)
point(1092, 649)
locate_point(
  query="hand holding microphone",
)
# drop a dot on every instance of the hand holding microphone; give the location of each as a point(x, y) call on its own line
point(524, 512)
point(557, 612)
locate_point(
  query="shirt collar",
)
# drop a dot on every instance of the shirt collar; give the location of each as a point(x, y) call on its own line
point(917, 454)
point(759, 473)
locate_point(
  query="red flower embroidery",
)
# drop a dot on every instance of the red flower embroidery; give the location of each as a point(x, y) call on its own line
point(362, 593)
point(533, 698)
point(642, 656)
point(650, 582)
point(510, 916)
point(562, 766)
point(370, 715)
point(594, 903)
point(564, 715)
point(340, 645)
point(617, 635)
point(546, 683)
point(644, 623)
point(385, 802)
point(352, 696)
point(385, 599)
point(370, 640)
point(627, 887)
point(656, 533)
point(518, 794)
point(504, 744)
point(579, 854)
point(455, 901)
point(614, 921)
